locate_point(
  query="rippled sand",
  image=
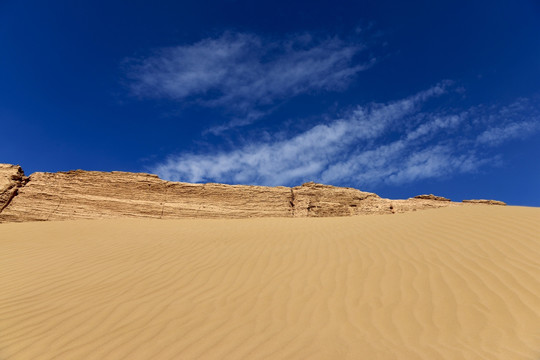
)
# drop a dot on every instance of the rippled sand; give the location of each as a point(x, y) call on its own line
point(453, 283)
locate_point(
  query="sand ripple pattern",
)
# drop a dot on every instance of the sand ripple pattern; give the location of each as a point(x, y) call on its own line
point(451, 283)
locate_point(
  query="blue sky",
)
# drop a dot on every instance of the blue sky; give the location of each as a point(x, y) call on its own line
point(394, 97)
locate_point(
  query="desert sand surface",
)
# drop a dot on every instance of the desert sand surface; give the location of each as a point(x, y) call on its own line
point(449, 283)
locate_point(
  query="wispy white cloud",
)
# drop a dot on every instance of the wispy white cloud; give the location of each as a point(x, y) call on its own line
point(357, 148)
point(244, 73)
point(515, 121)
point(436, 124)
point(514, 130)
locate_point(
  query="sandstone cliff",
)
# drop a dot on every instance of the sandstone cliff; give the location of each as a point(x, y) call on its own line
point(484, 201)
point(90, 195)
point(431, 197)
point(11, 179)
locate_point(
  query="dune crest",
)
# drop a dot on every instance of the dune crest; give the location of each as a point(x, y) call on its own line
point(82, 194)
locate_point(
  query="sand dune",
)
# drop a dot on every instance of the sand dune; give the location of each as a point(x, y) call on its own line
point(450, 283)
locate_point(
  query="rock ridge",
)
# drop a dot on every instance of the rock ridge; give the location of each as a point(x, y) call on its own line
point(80, 194)
point(431, 197)
point(484, 201)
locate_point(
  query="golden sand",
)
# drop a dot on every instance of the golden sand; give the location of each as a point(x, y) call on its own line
point(451, 283)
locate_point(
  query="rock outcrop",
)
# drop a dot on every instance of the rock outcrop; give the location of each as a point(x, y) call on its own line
point(431, 197)
point(483, 201)
point(92, 195)
point(11, 179)
point(318, 200)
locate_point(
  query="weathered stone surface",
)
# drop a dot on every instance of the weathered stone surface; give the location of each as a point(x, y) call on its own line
point(11, 179)
point(483, 201)
point(311, 199)
point(92, 195)
point(431, 197)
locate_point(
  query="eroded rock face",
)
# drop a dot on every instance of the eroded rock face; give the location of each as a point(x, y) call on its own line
point(11, 180)
point(92, 195)
point(483, 201)
point(318, 200)
point(431, 197)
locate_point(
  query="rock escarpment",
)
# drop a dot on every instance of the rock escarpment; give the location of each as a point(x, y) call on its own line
point(484, 201)
point(431, 197)
point(11, 180)
point(92, 195)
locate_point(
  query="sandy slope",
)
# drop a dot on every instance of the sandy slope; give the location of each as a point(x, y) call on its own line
point(452, 283)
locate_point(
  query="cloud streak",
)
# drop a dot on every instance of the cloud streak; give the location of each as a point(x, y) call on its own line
point(244, 73)
point(358, 148)
point(514, 130)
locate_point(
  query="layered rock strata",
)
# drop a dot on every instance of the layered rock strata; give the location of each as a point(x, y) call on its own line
point(92, 195)
point(431, 197)
point(11, 180)
point(484, 201)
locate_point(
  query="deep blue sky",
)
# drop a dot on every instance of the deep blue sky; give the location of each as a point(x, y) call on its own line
point(393, 97)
